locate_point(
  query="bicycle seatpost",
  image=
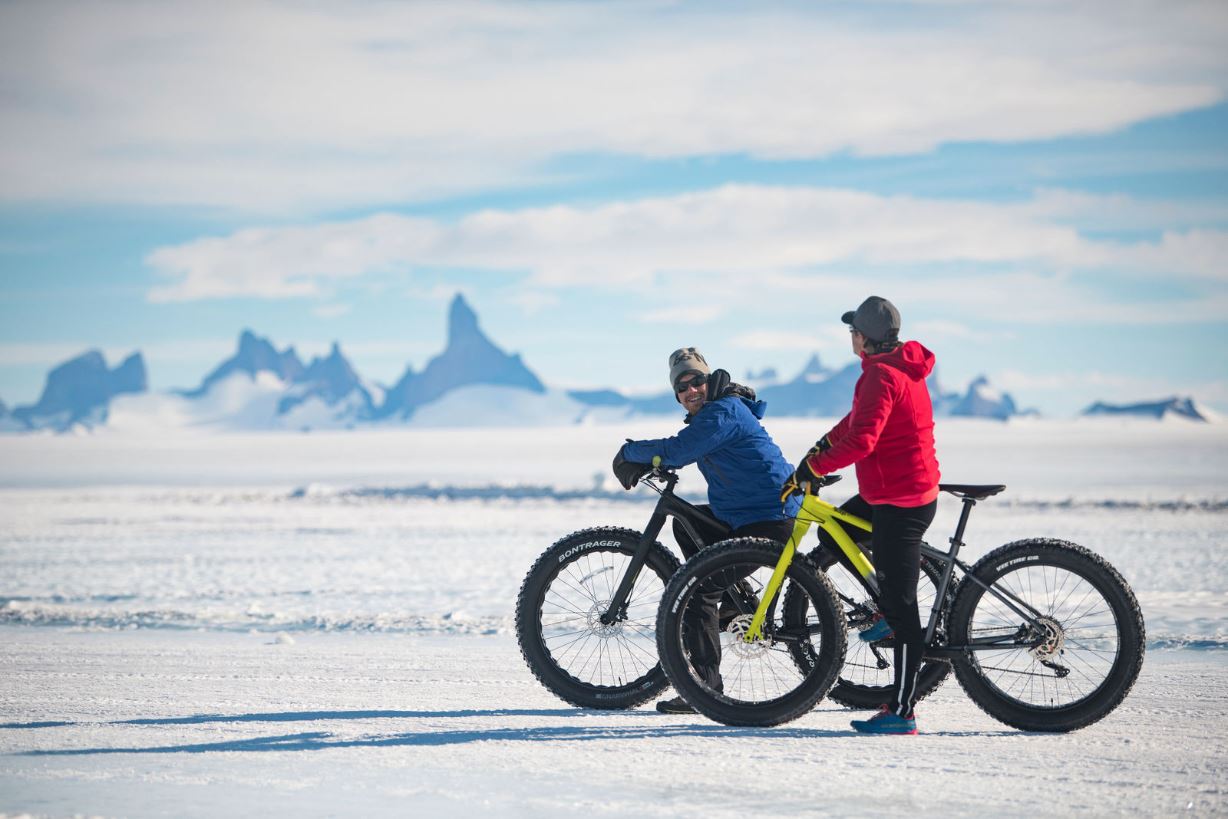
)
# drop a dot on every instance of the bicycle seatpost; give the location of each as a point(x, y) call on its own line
point(948, 571)
point(957, 541)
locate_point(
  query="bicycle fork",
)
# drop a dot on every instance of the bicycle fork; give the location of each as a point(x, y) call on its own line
point(768, 601)
point(618, 603)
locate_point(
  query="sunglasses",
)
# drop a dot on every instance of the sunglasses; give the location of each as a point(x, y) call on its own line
point(684, 384)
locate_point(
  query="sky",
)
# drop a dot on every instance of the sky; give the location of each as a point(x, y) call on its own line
point(1040, 187)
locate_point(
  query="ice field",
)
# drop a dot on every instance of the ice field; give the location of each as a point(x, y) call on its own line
point(322, 624)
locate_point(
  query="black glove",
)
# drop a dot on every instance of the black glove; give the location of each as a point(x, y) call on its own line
point(820, 446)
point(629, 472)
point(804, 474)
point(802, 480)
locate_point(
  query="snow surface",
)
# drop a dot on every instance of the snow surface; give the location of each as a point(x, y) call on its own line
point(160, 723)
point(320, 624)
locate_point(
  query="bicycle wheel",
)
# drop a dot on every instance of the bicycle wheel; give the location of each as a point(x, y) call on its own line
point(868, 677)
point(1073, 668)
point(563, 641)
point(760, 683)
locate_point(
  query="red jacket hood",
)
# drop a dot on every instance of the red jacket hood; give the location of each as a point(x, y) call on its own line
point(911, 358)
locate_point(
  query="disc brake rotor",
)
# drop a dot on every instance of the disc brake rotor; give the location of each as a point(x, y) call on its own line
point(1053, 639)
point(738, 627)
point(599, 628)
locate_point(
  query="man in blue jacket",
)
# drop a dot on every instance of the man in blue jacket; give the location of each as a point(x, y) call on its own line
point(744, 469)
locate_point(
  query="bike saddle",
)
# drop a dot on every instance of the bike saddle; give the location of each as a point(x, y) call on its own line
point(974, 491)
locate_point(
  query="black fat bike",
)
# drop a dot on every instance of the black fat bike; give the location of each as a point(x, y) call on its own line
point(587, 610)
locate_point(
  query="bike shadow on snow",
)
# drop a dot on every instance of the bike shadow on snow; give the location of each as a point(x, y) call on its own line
point(323, 740)
point(311, 716)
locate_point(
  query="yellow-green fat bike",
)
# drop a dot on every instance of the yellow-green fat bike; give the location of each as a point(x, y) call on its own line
point(1043, 634)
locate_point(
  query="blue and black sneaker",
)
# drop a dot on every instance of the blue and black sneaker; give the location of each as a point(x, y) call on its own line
point(878, 630)
point(886, 721)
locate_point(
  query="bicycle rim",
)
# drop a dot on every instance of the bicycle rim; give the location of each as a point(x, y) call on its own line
point(762, 677)
point(1077, 639)
point(578, 642)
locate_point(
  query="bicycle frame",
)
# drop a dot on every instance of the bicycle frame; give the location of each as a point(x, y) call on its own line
point(668, 504)
point(829, 518)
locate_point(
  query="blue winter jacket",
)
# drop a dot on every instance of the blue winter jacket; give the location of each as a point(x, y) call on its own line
point(741, 463)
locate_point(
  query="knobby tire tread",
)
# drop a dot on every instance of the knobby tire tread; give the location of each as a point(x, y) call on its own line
point(532, 646)
point(1085, 712)
point(673, 657)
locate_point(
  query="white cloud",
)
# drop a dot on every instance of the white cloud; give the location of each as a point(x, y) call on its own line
point(329, 311)
point(942, 329)
point(532, 302)
point(686, 314)
point(776, 340)
point(303, 107)
point(1107, 212)
point(992, 259)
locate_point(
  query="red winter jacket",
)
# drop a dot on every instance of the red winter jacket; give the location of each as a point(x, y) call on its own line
point(889, 432)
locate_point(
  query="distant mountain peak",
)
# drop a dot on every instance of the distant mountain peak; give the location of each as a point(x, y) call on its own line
point(254, 355)
point(462, 322)
point(469, 358)
point(1179, 406)
point(982, 400)
point(332, 379)
point(813, 366)
point(82, 388)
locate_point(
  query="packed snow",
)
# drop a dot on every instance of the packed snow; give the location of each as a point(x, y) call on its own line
point(284, 623)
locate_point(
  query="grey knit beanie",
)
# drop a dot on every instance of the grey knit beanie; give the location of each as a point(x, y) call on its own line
point(685, 360)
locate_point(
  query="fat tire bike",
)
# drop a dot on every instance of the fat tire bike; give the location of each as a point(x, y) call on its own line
point(1043, 634)
point(586, 612)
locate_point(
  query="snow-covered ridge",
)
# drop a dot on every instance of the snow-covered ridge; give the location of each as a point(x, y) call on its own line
point(71, 614)
point(1176, 407)
point(471, 382)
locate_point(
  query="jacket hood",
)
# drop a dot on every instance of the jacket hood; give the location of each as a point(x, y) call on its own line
point(757, 408)
point(910, 358)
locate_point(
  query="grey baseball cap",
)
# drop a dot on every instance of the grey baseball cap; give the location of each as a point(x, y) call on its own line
point(876, 319)
point(685, 360)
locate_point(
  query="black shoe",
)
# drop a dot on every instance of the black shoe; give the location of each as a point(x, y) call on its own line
point(675, 706)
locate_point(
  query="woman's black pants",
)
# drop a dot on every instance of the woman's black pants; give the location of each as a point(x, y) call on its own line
point(896, 547)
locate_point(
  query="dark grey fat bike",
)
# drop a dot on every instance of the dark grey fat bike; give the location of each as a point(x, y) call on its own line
point(1043, 634)
point(587, 610)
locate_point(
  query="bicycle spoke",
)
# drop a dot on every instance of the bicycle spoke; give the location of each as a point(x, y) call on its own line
point(592, 652)
point(1073, 614)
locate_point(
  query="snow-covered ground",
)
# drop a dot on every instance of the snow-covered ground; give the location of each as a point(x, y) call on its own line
point(321, 623)
point(161, 723)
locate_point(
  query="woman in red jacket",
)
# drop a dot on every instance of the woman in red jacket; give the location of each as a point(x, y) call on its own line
point(889, 435)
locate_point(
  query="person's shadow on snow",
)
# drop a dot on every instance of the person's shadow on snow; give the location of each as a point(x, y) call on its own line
point(654, 727)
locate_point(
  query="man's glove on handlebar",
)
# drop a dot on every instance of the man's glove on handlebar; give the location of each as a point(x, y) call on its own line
point(629, 472)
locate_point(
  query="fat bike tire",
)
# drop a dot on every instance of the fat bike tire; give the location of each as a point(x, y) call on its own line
point(1093, 628)
point(562, 640)
point(762, 685)
point(867, 680)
